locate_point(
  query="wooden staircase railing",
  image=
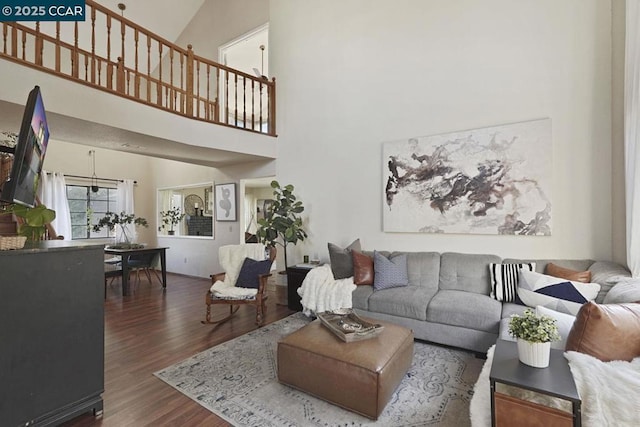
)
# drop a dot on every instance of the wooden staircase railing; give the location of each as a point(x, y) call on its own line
point(113, 54)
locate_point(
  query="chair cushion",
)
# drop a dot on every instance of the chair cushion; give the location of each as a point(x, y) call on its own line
point(249, 276)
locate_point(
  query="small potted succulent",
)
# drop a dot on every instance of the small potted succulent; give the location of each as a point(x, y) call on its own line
point(122, 220)
point(534, 334)
point(171, 218)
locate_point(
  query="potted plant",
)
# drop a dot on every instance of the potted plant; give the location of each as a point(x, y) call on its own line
point(33, 223)
point(122, 220)
point(534, 334)
point(282, 224)
point(171, 218)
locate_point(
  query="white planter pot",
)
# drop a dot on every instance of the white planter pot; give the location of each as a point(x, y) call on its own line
point(534, 354)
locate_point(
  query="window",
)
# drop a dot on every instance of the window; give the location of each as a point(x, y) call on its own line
point(86, 208)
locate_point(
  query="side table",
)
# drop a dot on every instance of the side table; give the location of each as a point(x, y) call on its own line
point(295, 277)
point(555, 380)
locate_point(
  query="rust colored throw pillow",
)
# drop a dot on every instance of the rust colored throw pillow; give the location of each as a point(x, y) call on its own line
point(362, 268)
point(606, 331)
point(566, 273)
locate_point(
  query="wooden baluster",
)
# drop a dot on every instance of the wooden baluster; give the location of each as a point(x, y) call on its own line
point(120, 76)
point(93, 44)
point(5, 33)
point(189, 85)
point(171, 84)
point(198, 89)
point(235, 94)
point(226, 96)
point(272, 108)
point(39, 46)
point(14, 41)
point(109, 39)
point(261, 86)
point(244, 102)
point(99, 71)
point(183, 98)
point(75, 68)
point(109, 75)
point(207, 113)
point(86, 68)
point(216, 111)
point(128, 91)
point(148, 68)
point(58, 46)
point(253, 104)
point(159, 73)
point(122, 34)
point(24, 45)
point(136, 81)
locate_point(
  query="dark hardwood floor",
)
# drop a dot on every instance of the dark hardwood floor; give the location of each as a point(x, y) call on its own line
point(151, 330)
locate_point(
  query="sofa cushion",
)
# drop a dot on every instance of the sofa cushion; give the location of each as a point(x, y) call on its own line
point(563, 321)
point(466, 272)
point(389, 272)
point(566, 273)
point(362, 268)
point(408, 301)
point(557, 294)
point(607, 331)
point(465, 309)
point(360, 297)
point(626, 290)
point(607, 274)
point(341, 261)
point(504, 280)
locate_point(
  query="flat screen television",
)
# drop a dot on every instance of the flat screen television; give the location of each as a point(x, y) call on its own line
point(28, 155)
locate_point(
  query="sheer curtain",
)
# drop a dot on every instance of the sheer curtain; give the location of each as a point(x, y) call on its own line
point(632, 134)
point(53, 194)
point(124, 203)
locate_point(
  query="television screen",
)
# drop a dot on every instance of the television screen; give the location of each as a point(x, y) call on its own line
point(22, 185)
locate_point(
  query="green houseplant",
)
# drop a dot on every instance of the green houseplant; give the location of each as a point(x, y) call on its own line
point(121, 220)
point(534, 334)
point(282, 224)
point(171, 218)
point(34, 220)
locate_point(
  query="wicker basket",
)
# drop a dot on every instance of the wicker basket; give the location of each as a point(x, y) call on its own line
point(12, 242)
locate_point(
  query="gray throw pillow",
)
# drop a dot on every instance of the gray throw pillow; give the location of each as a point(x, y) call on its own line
point(626, 290)
point(389, 272)
point(341, 260)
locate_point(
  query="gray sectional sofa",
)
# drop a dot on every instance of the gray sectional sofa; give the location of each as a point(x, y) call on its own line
point(447, 300)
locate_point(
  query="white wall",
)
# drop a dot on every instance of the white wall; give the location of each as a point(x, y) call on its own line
point(353, 74)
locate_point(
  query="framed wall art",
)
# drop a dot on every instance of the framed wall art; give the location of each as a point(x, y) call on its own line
point(494, 180)
point(226, 205)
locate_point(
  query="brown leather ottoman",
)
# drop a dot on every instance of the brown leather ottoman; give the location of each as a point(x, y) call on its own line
point(359, 376)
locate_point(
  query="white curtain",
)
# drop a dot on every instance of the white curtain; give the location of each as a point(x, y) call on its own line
point(632, 134)
point(53, 194)
point(124, 203)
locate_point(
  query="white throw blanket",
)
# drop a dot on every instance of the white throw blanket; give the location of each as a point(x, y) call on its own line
point(321, 292)
point(231, 258)
point(610, 392)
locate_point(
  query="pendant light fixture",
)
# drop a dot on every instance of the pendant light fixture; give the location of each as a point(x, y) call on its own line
point(94, 178)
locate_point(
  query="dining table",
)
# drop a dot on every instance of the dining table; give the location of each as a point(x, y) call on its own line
point(126, 255)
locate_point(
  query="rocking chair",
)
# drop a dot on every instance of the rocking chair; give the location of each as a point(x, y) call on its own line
point(233, 294)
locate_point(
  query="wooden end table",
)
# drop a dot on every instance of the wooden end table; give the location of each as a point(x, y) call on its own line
point(555, 380)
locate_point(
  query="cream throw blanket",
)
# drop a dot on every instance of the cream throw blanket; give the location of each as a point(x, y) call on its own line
point(610, 392)
point(231, 258)
point(321, 292)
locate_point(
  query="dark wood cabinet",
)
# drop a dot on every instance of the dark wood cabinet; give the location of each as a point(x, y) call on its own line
point(295, 277)
point(51, 333)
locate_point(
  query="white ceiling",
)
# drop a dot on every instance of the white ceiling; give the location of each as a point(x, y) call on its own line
point(166, 18)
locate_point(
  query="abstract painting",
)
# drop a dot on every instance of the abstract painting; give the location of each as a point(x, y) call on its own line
point(494, 180)
point(225, 202)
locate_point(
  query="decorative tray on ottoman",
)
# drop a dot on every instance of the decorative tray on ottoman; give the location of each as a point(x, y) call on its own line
point(348, 326)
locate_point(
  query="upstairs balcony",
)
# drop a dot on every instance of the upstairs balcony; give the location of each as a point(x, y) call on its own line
point(110, 53)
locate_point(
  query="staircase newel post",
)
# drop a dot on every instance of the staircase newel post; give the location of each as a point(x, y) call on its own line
point(272, 107)
point(189, 82)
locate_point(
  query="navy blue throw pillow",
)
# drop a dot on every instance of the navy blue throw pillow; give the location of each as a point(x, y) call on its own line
point(251, 269)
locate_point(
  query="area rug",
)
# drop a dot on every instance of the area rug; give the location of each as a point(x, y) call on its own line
point(237, 380)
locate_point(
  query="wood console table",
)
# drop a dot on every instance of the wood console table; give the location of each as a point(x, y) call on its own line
point(126, 255)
